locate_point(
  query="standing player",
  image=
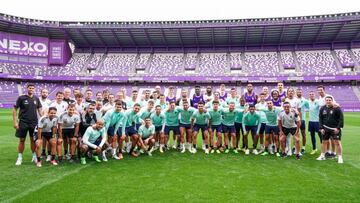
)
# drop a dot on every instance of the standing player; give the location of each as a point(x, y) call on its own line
point(88, 98)
point(223, 93)
point(281, 90)
point(79, 104)
point(162, 102)
point(171, 124)
point(132, 115)
point(250, 96)
point(228, 126)
point(110, 104)
point(263, 120)
point(114, 118)
point(69, 124)
point(271, 129)
point(314, 125)
point(147, 136)
point(294, 104)
point(171, 97)
point(197, 97)
point(199, 121)
point(208, 96)
point(238, 123)
point(59, 104)
point(94, 139)
point(251, 123)
point(275, 98)
point(45, 103)
point(215, 125)
point(158, 120)
point(184, 97)
point(29, 106)
point(265, 91)
point(67, 94)
point(233, 97)
point(289, 124)
point(131, 102)
point(185, 126)
point(331, 121)
point(304, 104)
point(46, 130)
point(88, 118)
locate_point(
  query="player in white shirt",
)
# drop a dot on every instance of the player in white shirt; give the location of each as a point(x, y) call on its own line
point(109, 105)
point(45, 103)
point(294, 104)
point(208, 96)
point(59, 104)
point(79, 104)
point(46, 130)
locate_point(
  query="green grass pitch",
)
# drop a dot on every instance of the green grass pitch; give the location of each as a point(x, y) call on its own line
point(175, 177)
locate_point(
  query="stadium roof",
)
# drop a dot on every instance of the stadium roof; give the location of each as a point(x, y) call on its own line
point(289, 32)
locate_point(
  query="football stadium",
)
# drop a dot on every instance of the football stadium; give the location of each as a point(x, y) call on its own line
point(229, 110)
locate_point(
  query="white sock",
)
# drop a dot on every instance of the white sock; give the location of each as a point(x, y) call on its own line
point(20, 156)
point(322, 154)
point(303, 147)
point(34, 154)
point(339, 156)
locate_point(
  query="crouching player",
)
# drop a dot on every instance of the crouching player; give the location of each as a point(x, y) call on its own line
point(94, 139)
point(46, 129)
point(147, 136)
point(289, 123)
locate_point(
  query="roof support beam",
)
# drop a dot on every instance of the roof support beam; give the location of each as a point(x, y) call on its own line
point(164, 38)
point(281, 34)
point(180, 37)
point(131, 38)
point(318, 33)
point(299, 34)
point(100, 38)
point(246, 34)
point(339, 32)
point(213, 38)
point(115, 37)
point(229, 36)
point(147, 37)
point(83, 36)
point(263, 35)
point(196, 38)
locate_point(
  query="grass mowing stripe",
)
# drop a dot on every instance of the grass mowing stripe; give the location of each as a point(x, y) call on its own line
point(45, 183)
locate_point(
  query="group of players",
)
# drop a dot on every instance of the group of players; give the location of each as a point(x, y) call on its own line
point(114, 124)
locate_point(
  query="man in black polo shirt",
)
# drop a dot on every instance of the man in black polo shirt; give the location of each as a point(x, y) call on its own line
point(29, 105)
point(331, 121)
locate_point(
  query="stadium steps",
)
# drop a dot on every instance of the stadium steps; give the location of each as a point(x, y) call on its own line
point(297, 65)
point(148, 63)
point(19, 87)
point(356, 91)
point(337, 61)
point(228, 63)
point(357, 65)
point(198, 61)
point(281, 67)
point(243, 67)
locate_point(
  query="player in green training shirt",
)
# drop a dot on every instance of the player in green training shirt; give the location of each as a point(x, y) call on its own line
point(94, 139)
point(158, 120)
point(228, 126)
point(199, 121)
point(215, 125)
point(303, 104)
point(271, 129)
point(132, 115)
point(114, 118)
point(313, 126)
point(147, 136)
point(238, 122)
point(171, 124)
point(185, 126)
point(251, 123)
point(261, 103)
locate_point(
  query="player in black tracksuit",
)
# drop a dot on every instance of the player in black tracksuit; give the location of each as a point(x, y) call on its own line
point(331, 121)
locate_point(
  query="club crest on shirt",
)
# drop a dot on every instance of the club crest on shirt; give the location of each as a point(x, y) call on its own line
point(331, 111)
point(324, 112)
point(35, 102)
point(26, 101)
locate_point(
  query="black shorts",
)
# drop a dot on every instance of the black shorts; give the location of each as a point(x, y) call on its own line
point(175, 130)
point(218, 128)
point(186, 126)
point(197, 128)
point(303, 125)
point(45, 135)
point(288, 131)
point(228, 129)
point(119, 131)
point(111, 131)
point(262, 128)
point(272, 129)
point(313, 126)
point(97, 143)
point(329, 134)
point(251, 128)
point(68, 133)
point(158, 129)
point(238, 128)
point(130, 131)
point(24, 128)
